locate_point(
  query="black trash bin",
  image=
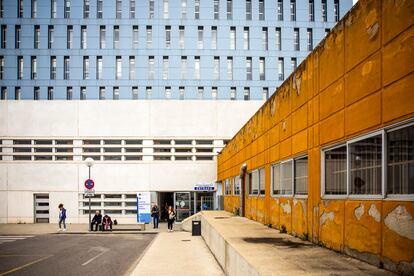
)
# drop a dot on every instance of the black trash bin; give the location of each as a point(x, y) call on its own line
point(196, 228)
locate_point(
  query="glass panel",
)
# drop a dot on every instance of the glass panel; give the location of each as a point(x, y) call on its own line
point(276, 179)
point(335, 171)
point(301, 176)
point(286, 178)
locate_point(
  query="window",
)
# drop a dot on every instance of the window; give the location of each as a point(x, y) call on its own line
point(52, 67)
point(99, 9)
point(253, 182)
point(134, 92)
point(17, 93)
point(132, 68)
point(132, 9)
point(246, 38)
point(82, 94)
point(262, 69)
point(265, 39)
point(1, 67)
point(216, 68)
point(292, 10)
point(102, 37)
point(20, 67)
point(229, 9)
point(85, 67)
point(311, 7)
point(183, 9)
point(310, 40)
point(115, 96)
point(286, 177)
point(265, 93)
point(233, 93)
point(151, 8)
point(327, 30)
point(181, 92)
point(216, 4)
point(99, 67)
point(86, 8)
point(301, 176)
point(280, 10)
point(36, 93)
point(200, 91)
point(246, 94)
point(183, 68)
point(230, 68)
point(116, 37)
point(197, 68)
point(69, 93)
point(249, 68)
point(165, 68)
point(280, 68)
point(118, 9)
point(336, 10)
point(335, 171)
point(149, 36)
point(4, 93)
point(168, 92)
point(181, 31)
point(33, 68)
point(66, 68)
point(261, 10)
point(84, 42)
point(36, 37)
point(118, 66)
point(53, 8)
point(3, 36)
point(365, 166)
point(165, 9)
point(227, 187)
point(17, 36)
point(278, 39)
point(148, 92)
point(214, 37)
point(214, 93)
point(69, 37)
point(66, 13)
point(135, 37)
point(293, 63)
point(248, 9)
point(200, 40)
point(50, 37)
point(102, 93)
point(167, 36)
point(262, 187)
point(296, 39)
point(50, 95)
point(232, 38)
point(400, 161)
point(324, 11)
point(197, 9)
point(20, 6)
point(151, 68)
point(34, 8)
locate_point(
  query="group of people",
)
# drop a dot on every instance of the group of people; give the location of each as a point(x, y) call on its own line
point(170, 214)
point(106, 222)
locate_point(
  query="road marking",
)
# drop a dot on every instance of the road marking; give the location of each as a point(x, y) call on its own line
point(24, 266)
point(98, 248)
point(4, 239)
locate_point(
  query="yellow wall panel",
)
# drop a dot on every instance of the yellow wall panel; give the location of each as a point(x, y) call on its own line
point(332, 99)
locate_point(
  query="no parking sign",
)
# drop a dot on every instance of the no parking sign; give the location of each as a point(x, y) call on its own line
point(89, 184)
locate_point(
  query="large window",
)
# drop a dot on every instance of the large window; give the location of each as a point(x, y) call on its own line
point(135, 39)
point(69, 37)
point(118, 67)
point(216, 68)
point(200, 39)
point(301, 176)
point(246, 38)
point(290, 177)
point(116, 37)
point(213, 37)
point(248, 9)
point(232, 38)
point(262, 187)
point(197, 68)
point(229, 9)
point(84, 41)
point(227, 187)
point(216, 4)
point(253, 182)
point(36, 39)
point(102, 37)
point(261, 10)
point(230, 68)
point(236, 185)
point(335, 171)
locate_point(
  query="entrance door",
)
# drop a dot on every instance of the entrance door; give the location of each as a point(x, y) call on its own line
point(182, 203)
point(207, 202)
point(41, 208)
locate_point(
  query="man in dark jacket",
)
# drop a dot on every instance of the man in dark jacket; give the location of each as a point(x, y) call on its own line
point(106, 223)
point(155, 214)
point(97, 219)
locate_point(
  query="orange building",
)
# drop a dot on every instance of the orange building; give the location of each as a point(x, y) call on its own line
point(330, 156)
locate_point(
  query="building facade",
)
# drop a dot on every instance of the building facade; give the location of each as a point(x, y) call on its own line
point(330, 156)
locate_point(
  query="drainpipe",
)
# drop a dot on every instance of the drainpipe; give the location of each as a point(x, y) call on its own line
point(243, 169)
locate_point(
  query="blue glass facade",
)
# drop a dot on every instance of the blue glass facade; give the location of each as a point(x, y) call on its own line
point(166, 49)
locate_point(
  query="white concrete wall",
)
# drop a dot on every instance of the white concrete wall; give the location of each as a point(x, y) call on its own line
point(19, 180)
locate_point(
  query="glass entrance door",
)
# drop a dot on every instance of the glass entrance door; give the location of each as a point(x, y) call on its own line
point(182, 203)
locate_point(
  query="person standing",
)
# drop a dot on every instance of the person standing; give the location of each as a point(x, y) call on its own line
point(62, 217)
point(170, 218)
point(97, 219)
point(155, 214)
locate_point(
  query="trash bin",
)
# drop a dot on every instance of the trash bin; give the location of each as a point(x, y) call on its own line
point(196, 228)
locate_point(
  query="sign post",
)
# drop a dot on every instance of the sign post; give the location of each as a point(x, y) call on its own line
point(144, 207)
point(89, 192)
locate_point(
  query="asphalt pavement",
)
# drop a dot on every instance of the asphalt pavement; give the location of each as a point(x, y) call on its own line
point(71, 254)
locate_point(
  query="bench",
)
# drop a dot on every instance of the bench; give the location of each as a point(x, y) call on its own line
point(141, 226)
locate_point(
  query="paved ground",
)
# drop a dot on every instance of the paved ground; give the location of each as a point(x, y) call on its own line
point(71, 254)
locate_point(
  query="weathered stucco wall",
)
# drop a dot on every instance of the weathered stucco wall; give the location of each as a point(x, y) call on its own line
point(357, 80)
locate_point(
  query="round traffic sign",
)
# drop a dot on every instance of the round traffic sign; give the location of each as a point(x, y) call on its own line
point(89, 184)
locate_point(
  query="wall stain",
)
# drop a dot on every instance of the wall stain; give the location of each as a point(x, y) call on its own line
point(401, 222)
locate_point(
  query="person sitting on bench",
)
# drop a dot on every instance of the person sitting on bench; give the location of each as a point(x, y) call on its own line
point(97, 219)
point(106, 223)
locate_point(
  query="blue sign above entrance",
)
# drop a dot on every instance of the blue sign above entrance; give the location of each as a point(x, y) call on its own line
point(205, 187)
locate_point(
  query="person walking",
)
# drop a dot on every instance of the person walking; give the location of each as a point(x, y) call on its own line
point(62, 217)
point(155, 214)
point(170, 218)
point(97, 219)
